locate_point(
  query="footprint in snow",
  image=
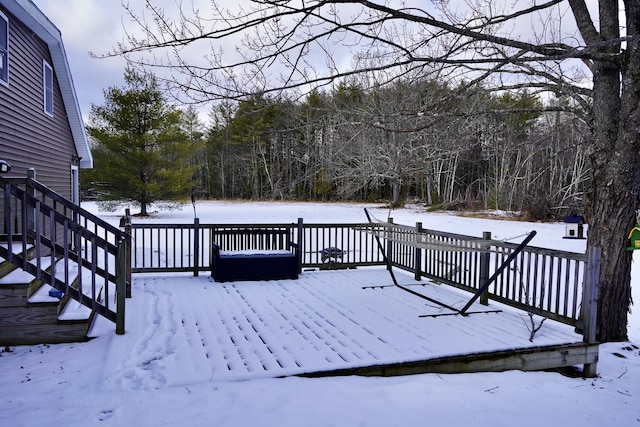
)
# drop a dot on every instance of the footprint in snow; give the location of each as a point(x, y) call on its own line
point(105, 414)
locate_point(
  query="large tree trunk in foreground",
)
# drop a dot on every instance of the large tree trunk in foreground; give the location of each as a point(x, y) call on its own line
point(613, 200)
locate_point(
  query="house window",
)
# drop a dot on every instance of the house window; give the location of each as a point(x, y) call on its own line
point(47, 75)
point(4, 49)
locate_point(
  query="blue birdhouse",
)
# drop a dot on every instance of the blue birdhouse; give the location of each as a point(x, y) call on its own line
point(574, 227)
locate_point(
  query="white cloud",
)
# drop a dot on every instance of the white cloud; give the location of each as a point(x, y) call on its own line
point(88, 26)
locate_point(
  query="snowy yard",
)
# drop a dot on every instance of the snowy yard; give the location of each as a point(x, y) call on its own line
point(200, 353)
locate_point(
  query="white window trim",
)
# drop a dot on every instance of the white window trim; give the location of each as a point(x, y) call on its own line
point(46, 67)
point(6, 59)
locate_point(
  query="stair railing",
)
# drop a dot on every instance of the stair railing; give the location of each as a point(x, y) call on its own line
point(87, 255)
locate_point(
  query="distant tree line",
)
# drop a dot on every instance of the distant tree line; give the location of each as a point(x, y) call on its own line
point(420, 140)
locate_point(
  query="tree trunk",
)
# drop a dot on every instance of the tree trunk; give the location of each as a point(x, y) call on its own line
point(609, 213)
point(396, 187)
point(615, 156)
point(611, 207)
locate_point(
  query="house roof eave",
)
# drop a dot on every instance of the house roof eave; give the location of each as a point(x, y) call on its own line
point(27, 12)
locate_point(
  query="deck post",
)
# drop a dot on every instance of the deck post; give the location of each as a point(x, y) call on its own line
point(196, 246)
point(121, 285)
point(389, 244)
point(417, 270)
point(498, 271)
point(485, 261)
point(128, 268)
point(300, 242)
point(590, 304)
point(30, 214)
point(127, 231)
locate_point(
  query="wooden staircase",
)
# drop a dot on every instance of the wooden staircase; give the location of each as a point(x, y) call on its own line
point(32, 312)
point(59, 266)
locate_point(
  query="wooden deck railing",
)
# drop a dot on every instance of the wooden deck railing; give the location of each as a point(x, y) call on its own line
point(541, 281)
point(187, 247)
point(87, 256)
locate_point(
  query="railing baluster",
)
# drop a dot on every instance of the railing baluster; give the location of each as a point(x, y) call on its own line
point(94, 262)
point(576, 286)
point(105, 278)
point(54, 242)
point(565, 285)
point(196, 244)
point(175, 247)
point(24, 224)
point(65, 258)
point(38, 246)
point(121, 267)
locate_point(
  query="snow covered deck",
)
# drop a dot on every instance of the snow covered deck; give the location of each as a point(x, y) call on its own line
point(191, 329)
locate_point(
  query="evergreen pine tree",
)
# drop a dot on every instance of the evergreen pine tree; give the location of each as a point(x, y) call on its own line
point(141, 151)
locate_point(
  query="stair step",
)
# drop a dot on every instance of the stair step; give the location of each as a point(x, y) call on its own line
point(19, 276)
point(38, 324)
point(5, 266)
point(15, 277)
point(35, 314)
point(30, 314)
point(73, 311)
point(44, 334)
point(13, 295)
point(42, 295)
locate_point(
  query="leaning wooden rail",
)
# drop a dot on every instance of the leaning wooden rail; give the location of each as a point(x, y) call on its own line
point(499, 270)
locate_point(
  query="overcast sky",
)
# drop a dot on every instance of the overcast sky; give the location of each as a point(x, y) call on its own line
point(88, 25)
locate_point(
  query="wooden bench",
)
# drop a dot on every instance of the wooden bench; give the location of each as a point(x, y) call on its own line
point(254, 255)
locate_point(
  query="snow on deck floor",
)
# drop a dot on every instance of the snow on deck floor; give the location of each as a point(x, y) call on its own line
point(183, 330)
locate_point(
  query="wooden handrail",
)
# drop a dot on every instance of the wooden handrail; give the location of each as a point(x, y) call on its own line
point(69, 235)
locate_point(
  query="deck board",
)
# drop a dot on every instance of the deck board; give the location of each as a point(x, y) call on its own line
point(324, 321)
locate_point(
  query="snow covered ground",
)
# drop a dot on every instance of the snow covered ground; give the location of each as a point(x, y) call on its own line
point(122, 380)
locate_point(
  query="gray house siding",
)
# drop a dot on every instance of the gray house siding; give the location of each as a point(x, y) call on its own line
point(30, 138)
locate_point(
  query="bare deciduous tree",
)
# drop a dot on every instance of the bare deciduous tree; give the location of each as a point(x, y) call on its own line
point(297, 44)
